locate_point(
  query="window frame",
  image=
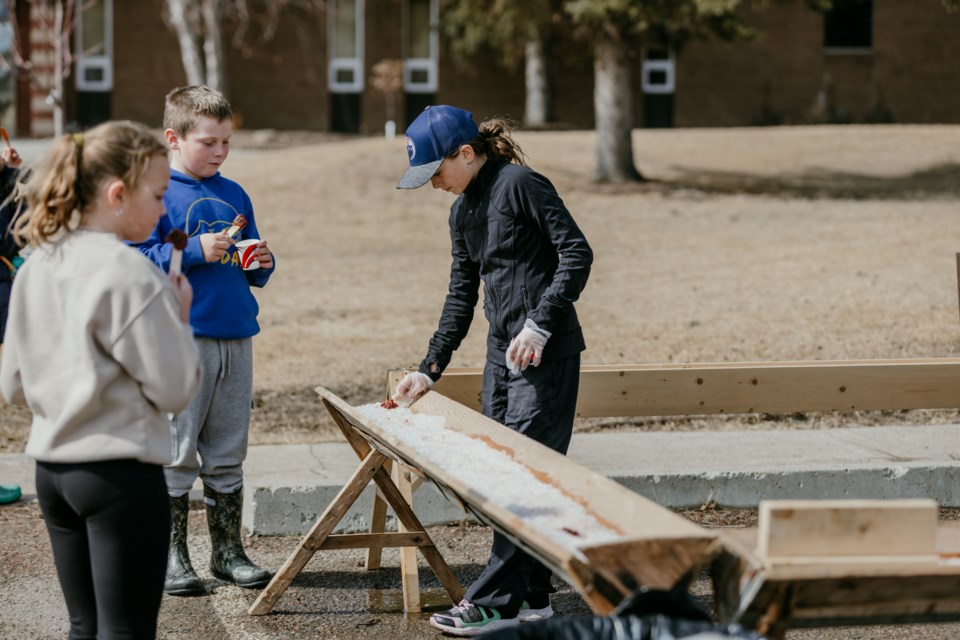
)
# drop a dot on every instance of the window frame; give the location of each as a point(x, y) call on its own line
point(336, 64)
point(413, 65)
point(102, 61)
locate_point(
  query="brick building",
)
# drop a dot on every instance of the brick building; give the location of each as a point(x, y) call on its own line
point(874, 61)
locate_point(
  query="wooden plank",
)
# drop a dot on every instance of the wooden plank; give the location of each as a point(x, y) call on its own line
point(631, 518)
point(816, 529)
point(378, 523)
point(373, 540)
point(409, 577)
point(839, 590)
point(747, 387)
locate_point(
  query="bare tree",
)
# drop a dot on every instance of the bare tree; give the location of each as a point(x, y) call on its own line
point(200, 26)
point(613, 27)
point(515, 31)
point(58, 19)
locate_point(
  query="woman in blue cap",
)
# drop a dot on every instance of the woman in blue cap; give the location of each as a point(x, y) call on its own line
point(510, 230)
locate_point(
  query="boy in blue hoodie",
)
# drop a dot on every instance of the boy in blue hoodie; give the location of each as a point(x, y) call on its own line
point(210, 437)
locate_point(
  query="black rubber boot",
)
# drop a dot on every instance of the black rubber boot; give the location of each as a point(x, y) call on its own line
point(181, 579)
point(228, 560)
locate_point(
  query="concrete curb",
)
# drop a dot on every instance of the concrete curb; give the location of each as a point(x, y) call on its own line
point(289, 486)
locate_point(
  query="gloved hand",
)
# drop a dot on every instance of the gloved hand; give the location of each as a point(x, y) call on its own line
point(413, 386)
point(527, 347)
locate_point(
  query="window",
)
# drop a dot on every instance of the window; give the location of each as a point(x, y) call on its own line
point(94, 45)
point(420, 46)
point(657, 72)
point(848, 25)
point(345, 73)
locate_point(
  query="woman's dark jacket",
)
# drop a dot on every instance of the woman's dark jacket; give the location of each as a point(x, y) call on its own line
point(511, 230)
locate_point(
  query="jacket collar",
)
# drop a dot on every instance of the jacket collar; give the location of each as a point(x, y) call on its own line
point(484, 177)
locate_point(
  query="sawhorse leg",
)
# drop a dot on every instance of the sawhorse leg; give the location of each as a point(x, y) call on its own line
point(411, 535)
point(408, 556)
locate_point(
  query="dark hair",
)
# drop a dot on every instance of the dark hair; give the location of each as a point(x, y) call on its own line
point(495, 139)
point(184, 105)
point(74, 170)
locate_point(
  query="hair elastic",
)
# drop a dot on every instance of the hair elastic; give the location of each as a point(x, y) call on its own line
point(78, 139)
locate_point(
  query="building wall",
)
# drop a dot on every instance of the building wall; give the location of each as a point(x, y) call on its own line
point(146, 61)
point(279, 84)
point(784, 76)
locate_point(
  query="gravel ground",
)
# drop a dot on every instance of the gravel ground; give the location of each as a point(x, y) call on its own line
point(333, 598)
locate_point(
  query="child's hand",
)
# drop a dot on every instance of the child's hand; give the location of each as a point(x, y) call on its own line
point(181, 286)
point(10, 158)
point(264, 257)
point(215, 245)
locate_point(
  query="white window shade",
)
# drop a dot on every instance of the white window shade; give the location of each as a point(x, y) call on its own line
point(94, 45)
point(345, 30)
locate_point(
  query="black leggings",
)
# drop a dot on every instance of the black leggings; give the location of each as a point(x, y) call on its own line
point(109, 525)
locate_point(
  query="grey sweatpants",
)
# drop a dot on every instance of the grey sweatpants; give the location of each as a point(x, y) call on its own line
point(210, 436)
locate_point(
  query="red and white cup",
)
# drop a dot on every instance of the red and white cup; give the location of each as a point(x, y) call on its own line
point(247, 250)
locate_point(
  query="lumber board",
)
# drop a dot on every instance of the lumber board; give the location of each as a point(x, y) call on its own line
point(744, 387)
point(652, 545)
point(836, 590)
point(821, 529)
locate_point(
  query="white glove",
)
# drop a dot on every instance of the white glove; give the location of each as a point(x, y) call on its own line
point(413, 387)
point(527, 347)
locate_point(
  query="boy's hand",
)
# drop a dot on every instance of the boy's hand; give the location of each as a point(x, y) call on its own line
point(264, 257)
point(10, 158)
point(215, 245)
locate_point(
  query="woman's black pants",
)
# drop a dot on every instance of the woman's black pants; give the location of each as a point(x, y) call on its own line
point(109, 525)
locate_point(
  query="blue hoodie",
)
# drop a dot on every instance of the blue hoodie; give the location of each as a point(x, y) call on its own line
point(223, 305)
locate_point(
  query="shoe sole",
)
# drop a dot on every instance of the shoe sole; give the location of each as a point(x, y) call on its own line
point(245, 585)
point(535, 615)
point(465, 632)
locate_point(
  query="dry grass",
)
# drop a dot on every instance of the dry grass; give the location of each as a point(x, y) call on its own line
point(747, 245)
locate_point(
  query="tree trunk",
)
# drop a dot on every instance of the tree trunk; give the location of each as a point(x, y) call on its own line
point(539, 107)
point(56, 95)
point(613, 106)
point(213, 50)
point(185, 21)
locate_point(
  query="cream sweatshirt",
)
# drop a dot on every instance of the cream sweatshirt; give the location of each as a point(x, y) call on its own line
point(95, 348)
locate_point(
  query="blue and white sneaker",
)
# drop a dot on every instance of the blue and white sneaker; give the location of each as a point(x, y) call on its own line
point(528, 614)
point(468, 619)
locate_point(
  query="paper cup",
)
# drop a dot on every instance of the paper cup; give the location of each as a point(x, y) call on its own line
point(247, 250)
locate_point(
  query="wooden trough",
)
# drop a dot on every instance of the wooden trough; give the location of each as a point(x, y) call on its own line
point(649, 545)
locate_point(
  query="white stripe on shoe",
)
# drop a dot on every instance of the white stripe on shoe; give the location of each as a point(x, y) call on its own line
point(534, 615)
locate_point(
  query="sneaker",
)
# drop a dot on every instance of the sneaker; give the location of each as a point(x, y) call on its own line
point(468, 619)
point(528, 614)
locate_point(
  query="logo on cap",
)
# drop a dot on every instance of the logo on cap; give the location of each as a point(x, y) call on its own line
point(411, 148)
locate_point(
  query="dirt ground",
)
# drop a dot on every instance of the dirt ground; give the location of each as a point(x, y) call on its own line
point(806, 243)
point(814, 243)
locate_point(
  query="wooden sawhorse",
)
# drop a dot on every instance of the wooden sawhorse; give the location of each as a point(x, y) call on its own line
point(395, 492)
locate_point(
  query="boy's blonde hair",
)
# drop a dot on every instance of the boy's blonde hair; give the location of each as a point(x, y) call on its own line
point(184, 105)
point(76, 167)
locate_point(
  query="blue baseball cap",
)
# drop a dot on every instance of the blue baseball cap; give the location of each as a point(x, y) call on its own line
point(436, 133)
